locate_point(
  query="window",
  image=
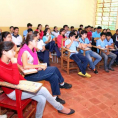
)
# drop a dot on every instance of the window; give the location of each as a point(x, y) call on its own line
point(106, 14)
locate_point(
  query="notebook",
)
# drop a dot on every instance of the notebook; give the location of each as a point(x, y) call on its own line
point(31, 71)
point(24, 85)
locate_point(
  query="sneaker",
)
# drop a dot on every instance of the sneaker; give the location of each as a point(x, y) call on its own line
point(80, 73)
point(107, 70)
point(66, 86)
point(87, 75)
point(95, 71)
point(60, 100)
point(111, 69)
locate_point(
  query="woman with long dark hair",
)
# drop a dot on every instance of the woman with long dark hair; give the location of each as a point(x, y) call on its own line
point(39, 29)
point(8, 64)
point(27, 58)
point(60, 37)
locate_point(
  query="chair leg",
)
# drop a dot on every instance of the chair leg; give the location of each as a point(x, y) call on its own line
point(0, 111)
point(68, 67)
point(20, 113)
point(61, 62)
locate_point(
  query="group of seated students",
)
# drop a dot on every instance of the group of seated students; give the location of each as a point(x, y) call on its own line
point(38, 45)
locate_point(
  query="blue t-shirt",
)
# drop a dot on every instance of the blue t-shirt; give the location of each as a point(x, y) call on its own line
point(73, 46)
point(86, 41)
point(110, 42)
point(95, 34)
point(45, 38)
point(25, 33)
point(101, 43)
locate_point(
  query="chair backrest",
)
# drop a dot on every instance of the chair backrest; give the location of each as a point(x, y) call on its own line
point(55, 40)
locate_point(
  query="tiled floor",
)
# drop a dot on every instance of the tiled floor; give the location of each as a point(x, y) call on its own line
point(95, 97)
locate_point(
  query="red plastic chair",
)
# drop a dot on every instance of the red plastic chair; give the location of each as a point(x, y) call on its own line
point(18, 104)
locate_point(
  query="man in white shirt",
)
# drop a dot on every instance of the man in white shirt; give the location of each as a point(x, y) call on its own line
point(16, 38)
point(42, 53)
point(66, 28)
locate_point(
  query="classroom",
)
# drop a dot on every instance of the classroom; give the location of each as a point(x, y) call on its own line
point(58, 59)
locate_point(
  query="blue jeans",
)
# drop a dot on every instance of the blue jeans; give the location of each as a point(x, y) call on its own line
point(112, 56)
point(116, 52)
point(51, 74)
point(81, 61)
point(53, 47)
point(90, 54)
point(44, 56)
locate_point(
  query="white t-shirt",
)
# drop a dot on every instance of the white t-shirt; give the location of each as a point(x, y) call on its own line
point(30, 59)
point(55, 33)
point(17, 40)
point(40, 44)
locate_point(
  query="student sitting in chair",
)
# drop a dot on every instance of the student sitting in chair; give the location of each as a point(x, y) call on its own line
point(40, 31)
point(111, 46)
point(89, 54)
point(67, 32)
point(27, 58)
point(114, 37)
point(8, 65)
point(42, 53)
point(29, 26)
point(55, 31)
point(76, 35)
point(60, 37)
point(49, 41)
point(30, 31)
point(16, 38)
point(46, 26)
point(97, 32)
point(89, 33)
point(102, 43)
point(81, 60)
point(11, 30)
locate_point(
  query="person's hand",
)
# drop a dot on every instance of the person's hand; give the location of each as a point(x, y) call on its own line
point(98, 46)
point(43, 49)
point(14, 60)
point(84, 45)
point(37, 49)
point(43, 67)
point(76, 40)
point(89, 45)
point(72, 40)
point(39, 68)
point(107, 53)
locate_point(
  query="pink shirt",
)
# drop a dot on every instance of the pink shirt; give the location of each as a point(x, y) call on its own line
point(59, 39)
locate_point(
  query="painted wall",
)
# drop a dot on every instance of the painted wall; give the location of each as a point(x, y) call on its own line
point(52, 12)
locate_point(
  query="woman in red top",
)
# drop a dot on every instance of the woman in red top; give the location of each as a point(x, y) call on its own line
point(8, 65)
point(60, 37)
point(39, 29)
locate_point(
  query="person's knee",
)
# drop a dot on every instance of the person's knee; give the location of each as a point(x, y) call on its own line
point(99, 58)
point(105, 57)
point(90, 60)
point(41, 100)
point(115, 56)
point(43, 89)
point(54, 68)
point(86, 60)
